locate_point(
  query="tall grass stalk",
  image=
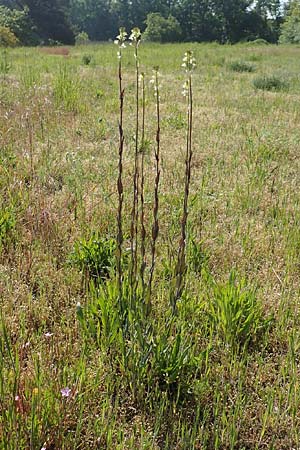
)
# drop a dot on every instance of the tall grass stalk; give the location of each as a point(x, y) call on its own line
point(30, 146)
point(142, 187)
point(120, 41)
point(135, 38)
point(155, 226)
point(189, 65)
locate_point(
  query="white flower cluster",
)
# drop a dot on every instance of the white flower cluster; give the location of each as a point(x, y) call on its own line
point(189, 62)
point(120, 41)
point(185, 88)
point(154, 81)
point(135, 36)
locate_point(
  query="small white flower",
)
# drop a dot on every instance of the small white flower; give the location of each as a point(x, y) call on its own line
point(135, 36)
point(48, 335)
point(189, 62)
point(185, 88)
point(120, 41)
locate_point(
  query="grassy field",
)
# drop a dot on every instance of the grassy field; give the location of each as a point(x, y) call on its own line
point(222, 370)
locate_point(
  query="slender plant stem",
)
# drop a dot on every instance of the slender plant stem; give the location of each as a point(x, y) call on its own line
point(181, 260)
point(134, 211)
point(120, 186)
point(142, 188)
point(155, 226)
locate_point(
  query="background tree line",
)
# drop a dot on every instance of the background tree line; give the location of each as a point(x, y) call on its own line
point(50, 21)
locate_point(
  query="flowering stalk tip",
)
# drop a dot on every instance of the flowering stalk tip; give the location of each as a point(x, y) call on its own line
point(120, 41)
point(189, 61)
point(135, 36)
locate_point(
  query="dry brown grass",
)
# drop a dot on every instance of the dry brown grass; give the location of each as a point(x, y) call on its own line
point(60, 51)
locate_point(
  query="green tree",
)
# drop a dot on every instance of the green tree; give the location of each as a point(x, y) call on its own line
point(51, 18)
point(95, 17)
point(198, 20)
point(7, 37)
point(20, 24)
point(290, 29)
point(233, 17)
point(269, 9)
point(160, 29)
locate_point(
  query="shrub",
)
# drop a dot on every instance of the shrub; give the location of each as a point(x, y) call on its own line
point(86, 59)
point(7, 37)
point(160, 29)
point(258, 42)
point(241, 66)
point(82, 38)
point(270, 83)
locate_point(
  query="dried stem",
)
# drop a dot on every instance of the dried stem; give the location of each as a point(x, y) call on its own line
point(142, 188)
point(134, 211)
point(181, 260)
point(120, 185)
point(155, 226)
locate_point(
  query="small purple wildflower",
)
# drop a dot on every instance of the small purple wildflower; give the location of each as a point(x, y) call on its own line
point(65, 392)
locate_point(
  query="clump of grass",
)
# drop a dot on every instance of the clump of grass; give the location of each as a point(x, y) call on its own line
point(5, 64)
point(95, 257)
point(270, 83)
point(66, 89)
point(7, 226)
point(241, 66)
point(236, 312)
point(254, 57)
point(197, 257)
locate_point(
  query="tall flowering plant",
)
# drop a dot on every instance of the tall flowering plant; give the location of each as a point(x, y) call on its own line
point(120, 41)
point(189, 65)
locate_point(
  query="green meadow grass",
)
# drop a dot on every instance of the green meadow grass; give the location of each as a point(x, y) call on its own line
point(223, 373)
